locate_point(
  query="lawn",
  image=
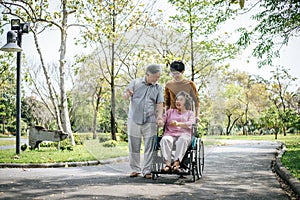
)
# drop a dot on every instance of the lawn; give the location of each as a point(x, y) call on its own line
point(90, 150)
point(46, 155)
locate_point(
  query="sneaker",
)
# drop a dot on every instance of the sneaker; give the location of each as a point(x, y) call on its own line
point(134, 174)
point(148, 176)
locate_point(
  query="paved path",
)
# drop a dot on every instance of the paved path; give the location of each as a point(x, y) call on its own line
point(22, 141)
point(234, 170)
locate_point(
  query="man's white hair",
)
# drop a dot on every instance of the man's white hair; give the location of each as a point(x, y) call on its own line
point(153, 69)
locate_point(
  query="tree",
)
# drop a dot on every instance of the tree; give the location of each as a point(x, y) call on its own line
point(90, 88)
point(35, 112)
point(113, 28)
point(233, 107)
point(197, 21)
point(280, 98)
point(280, 82)
point(42, 18)
point(277, 22)
point(7, 90)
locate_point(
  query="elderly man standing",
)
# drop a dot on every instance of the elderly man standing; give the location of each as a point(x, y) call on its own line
point(145, 112)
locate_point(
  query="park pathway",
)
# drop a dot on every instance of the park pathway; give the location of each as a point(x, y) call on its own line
point(233, 170)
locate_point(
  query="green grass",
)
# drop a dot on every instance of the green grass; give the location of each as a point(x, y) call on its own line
point(103, 153)
point(46, 155)
point(4, 136)
point(91, 150)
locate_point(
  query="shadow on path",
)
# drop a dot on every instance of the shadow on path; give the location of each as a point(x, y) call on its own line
point(234, 170)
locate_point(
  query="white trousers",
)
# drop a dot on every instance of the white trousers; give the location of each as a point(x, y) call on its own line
point(137, 133)
point(180, 143)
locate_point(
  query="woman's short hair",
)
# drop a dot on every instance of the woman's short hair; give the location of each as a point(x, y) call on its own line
point(188, 99)
point(177, 66)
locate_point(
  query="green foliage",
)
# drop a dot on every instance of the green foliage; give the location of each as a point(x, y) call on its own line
point(104, 137)
point(35, 112)
point(67, 147)
point(7, 91)
point(202, 127)
point(197, 21)
point(282, 112)
point(291, 158)
point(277, 21)
point(110, 26)
point(110, 143)
point(122, 137)
point(24, 147)
point(201, 13)
point(77, 139)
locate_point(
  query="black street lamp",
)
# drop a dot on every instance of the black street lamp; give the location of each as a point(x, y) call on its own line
point(13, 36)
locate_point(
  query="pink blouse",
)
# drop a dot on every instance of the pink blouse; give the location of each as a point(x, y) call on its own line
point(188, 117)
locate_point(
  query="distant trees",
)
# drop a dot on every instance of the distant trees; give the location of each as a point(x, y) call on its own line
point(7, 93)
point(278, 21)
point(121, 37)
point(282, 107)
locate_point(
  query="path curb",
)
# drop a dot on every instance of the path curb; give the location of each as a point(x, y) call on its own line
point(284, 173)
point(63, 164)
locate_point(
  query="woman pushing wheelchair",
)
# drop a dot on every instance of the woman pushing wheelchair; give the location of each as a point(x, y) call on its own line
point(177, 132)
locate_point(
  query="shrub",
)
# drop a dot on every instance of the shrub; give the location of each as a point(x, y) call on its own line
point(67, 147)
point(110, 143)
point(104, 137)
point(23, 147)
point(81, 137)
point(123, 137)
point(78, 140)
point(88, 136)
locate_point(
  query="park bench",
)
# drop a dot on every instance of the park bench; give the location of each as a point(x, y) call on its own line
point(38, 134)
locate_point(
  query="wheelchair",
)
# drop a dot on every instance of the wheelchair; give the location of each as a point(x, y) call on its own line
point(192, 162)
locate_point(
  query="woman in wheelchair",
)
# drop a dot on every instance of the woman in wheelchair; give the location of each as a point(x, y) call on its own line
point(177, 132)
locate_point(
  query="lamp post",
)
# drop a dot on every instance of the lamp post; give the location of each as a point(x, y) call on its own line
point(13, 36)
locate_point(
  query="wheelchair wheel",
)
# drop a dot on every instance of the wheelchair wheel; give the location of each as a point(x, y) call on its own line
point(194, 175)
point(199, 158)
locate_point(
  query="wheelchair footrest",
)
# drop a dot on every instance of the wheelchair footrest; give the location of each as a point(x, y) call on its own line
point(179, 172)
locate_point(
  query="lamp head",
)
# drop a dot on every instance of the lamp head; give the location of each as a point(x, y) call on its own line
point(11, 45)
point(15, 24)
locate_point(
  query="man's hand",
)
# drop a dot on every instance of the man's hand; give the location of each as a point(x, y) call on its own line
point(128, 93)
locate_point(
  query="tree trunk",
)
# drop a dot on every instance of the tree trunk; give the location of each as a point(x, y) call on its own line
point(228, 124)
point(52, 92)
point(246, 124)
point(98, 97)
point(113, 100)
point(65, 118)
